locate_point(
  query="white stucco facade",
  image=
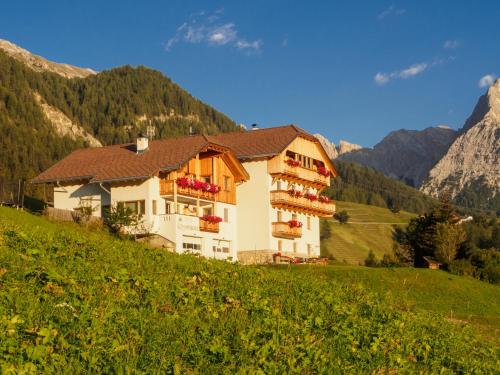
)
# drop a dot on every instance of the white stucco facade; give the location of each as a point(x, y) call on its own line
point(257, 213)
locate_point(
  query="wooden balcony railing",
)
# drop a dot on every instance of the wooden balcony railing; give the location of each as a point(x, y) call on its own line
point(167, 188)
point(282, 229)
point(283, 199)
point(206, 226)
point(309, 177)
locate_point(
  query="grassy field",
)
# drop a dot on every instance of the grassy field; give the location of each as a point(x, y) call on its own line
point(369, 228)
point(74, 300)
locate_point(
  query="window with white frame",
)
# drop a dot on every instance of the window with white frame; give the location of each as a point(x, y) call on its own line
point(190, 243)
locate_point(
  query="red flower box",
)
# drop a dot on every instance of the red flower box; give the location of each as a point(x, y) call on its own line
point(294, 224)
point(311, 197)
point(324, 199)
point(212, 219)
point(323, 171)
point(295, 193)
point(292, 162)
point(186, 182)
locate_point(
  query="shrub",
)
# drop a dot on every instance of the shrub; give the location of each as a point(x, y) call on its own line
point(371, 260)
point(342, 217)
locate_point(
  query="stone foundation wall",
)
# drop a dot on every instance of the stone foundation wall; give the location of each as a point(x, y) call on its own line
point(255, 256)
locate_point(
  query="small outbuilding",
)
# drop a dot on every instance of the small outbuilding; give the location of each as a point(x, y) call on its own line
point(432, 263)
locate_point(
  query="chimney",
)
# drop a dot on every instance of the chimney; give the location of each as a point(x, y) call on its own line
point(255, 127)
point(142, 144)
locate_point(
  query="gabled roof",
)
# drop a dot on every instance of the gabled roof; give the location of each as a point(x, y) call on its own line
point(261, 142)
point(121, 162)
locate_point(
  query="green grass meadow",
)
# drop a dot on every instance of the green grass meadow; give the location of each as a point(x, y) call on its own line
point(369, 228)
point(75, 300)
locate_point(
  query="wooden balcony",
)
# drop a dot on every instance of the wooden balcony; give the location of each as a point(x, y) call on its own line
point(310, 177)
point(167, 188)
point(206, 226)
point(283, 230)
point(283, 200)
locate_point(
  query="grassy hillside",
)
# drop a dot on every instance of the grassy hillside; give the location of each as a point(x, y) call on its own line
point(74, 300)
point(369, 228)
point(459, 299)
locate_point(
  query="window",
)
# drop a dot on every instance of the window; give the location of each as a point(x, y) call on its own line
point(207, 179)
point(280, 246)
point(278, 185)
point(280, 216)
point(168, 208)
point(309, 249)
point(154, 206)
point(221, 246)
point(137, 207)
point(191, 243)
point(227, 183)
point(309, 222)
point(295, 247)
point(294, 216)
point(208, 211)
point(226, 215)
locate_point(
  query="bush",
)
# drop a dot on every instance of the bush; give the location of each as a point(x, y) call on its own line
point(371, 260)
point(342, 217)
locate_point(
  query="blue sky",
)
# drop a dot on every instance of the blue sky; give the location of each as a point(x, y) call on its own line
point(352, 70)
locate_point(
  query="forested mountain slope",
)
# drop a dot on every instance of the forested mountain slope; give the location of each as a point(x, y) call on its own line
point(359, 184)
point(112, 107)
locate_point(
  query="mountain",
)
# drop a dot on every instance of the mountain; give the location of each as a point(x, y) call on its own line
point(334, 151)
point(406, 155)
point(40, 64)
point(49, 109)
point(470, 169)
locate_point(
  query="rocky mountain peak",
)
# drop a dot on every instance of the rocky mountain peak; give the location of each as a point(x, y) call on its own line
point(333, 151)
point(488, 105)
point(472, 163)
point(41, 64)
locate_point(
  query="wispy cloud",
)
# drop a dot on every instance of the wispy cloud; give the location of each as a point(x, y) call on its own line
point(210, 29)
point(487, 80)
point(451, 44)
point(391, 11)
point(416, 69)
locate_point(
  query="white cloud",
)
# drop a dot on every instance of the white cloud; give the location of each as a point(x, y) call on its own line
point(413, 70)
point(451, 44)
point(487, 80)
point(249, 46)
point(391, 11)
point(208, 29)
point(381, 78)
point(384, 78)
point(222, 35)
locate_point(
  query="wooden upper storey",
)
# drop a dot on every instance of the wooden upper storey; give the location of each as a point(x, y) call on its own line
point(303, 161)
point(213, 165)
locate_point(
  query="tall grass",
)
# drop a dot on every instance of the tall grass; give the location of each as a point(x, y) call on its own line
point(75, 301)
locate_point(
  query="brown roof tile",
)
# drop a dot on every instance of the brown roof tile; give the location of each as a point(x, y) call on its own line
point(121, 162)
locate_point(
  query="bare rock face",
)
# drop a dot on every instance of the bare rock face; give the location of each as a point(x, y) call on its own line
point(345, 147)
point(407, 155)
point(329, 147)
point(64, 126)
point(40, 64)
point(473, 160)
point(333, 151)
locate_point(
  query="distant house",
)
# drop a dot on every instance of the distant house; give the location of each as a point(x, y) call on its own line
point(431, 263)
point(242, 196)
